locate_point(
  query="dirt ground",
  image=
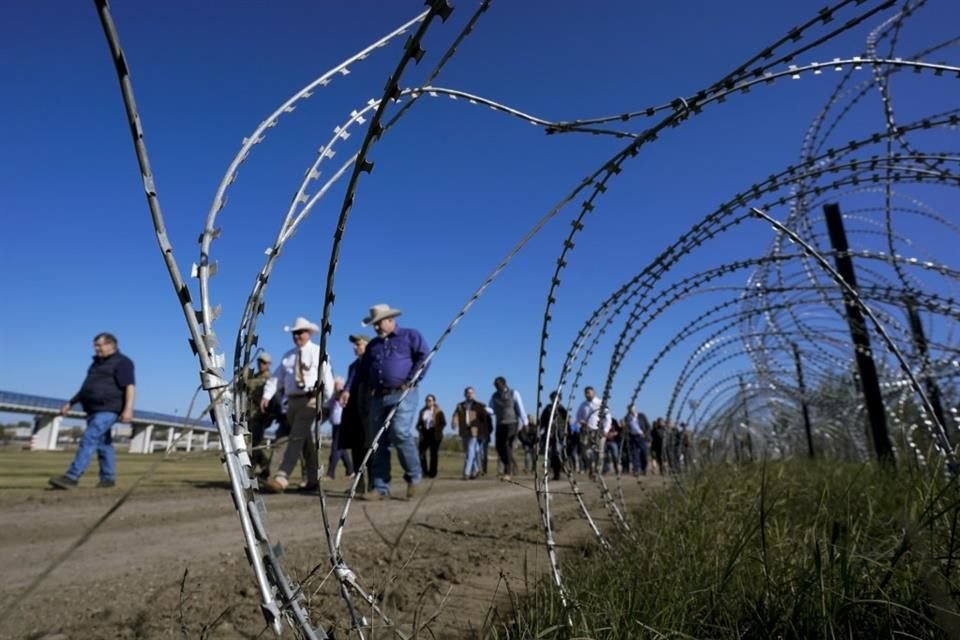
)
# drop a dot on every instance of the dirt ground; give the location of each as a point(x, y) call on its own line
point(170, 562)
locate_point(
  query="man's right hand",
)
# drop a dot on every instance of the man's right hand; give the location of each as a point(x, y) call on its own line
point(65, 409)
point(263, 404)
point(344, 398)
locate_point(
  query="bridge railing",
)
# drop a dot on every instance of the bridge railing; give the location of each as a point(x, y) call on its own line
point(48, 422)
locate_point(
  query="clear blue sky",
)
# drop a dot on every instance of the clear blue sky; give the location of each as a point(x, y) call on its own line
point(454, 186)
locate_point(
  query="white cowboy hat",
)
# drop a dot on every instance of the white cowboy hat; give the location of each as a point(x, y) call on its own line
point(380, 312)
point(264, 357)
point(301, 324)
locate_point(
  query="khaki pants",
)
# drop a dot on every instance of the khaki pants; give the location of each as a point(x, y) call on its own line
point(300, 415)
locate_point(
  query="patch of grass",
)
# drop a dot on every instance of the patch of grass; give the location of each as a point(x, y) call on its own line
point(21, 469)
point(783, 550)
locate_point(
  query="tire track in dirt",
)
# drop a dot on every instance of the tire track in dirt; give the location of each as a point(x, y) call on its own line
point(468, 545)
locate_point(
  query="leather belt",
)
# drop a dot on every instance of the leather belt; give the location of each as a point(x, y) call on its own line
point(385, 391)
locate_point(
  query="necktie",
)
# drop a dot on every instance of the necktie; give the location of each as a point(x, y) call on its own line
point(298, 370)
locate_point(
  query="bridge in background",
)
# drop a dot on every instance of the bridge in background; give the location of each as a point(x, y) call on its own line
point(47, 423)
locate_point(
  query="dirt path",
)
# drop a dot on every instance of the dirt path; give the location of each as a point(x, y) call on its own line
point(468, 544)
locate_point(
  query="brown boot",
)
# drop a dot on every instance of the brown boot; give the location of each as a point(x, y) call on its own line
point(273, 485)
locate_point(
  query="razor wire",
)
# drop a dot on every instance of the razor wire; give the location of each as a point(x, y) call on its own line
point(550, 296)
point(634, 306)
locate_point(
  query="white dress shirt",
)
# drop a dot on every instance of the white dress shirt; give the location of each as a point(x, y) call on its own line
point(588, 415)
point(285, 375)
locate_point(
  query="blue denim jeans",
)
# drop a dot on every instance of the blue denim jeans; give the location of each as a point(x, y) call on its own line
point(483, 453)
point(337, 454)
point(611, 456)
point(96, 437)
point(471, 456)
point(401, 433)
point(638, 453)
point(529, 457)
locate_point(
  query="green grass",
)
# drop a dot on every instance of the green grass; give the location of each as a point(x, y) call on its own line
point(783, 550)
point(21, 469)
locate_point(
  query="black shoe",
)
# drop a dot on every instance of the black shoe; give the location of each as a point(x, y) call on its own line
point(106, 484)
point(308, 488)
point(63, 482)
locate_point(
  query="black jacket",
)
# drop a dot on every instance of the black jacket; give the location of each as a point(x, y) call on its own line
point(106, 382)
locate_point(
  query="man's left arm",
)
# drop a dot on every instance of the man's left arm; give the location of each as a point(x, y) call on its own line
point(125, 379)
point(419, 349)
point(518, 407)
point(129, 396)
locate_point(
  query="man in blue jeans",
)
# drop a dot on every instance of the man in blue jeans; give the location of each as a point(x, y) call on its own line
point(472, 420)
point(107, 393)
point(387, 368)
point(638, 428)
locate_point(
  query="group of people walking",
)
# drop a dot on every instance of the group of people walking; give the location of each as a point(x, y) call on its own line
point(596, 442)
point(380, 384)
point(631, 444)
point(503, 418)
point(380, 392)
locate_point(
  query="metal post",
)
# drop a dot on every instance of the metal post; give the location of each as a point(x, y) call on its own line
point(920, 341)
point(746, 417)
point(869, 381)
point(46, 433)
point(803, 399)
point(736, 437)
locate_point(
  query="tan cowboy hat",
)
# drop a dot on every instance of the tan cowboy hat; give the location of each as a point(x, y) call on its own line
point(264, 357)
point(359, 337)
point(302, 324)
point(380, 312)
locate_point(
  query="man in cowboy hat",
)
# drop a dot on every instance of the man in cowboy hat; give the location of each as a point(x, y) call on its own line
point(387, 368)
point(298, 375)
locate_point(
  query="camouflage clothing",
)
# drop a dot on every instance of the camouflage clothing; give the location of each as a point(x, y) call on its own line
point(258, 422)
point(255, 384)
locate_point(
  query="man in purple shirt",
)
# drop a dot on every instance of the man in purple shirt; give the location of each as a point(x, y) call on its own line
point(387, 368)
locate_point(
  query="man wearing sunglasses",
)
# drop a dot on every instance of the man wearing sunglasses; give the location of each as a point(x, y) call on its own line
point(298, 375)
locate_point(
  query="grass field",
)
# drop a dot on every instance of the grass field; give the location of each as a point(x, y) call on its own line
point(21, 469)
point(785, 550)
point(24, 469)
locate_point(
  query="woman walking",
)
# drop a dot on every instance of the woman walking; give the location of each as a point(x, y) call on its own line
point(430, 429)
